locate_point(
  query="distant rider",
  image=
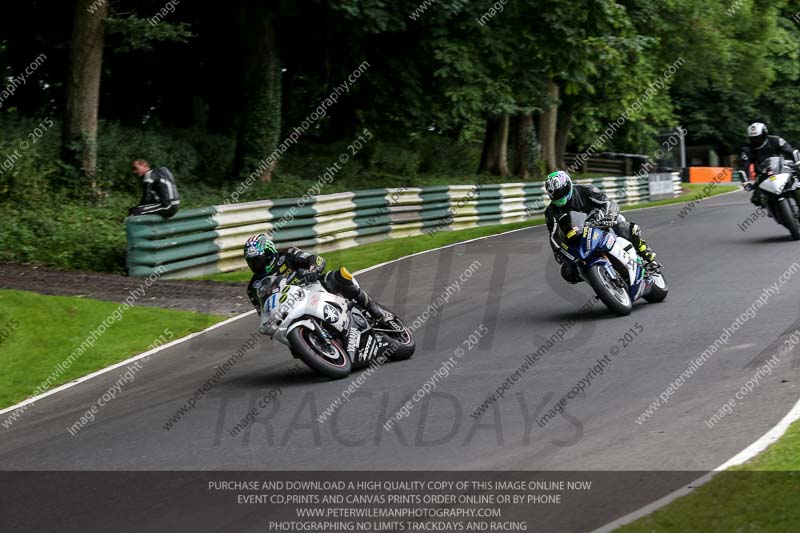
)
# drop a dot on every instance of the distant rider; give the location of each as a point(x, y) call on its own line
point(761, 146)
point(266, 261)
point(604, 212)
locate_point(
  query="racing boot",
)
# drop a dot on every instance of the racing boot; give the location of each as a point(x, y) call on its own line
point(643, 249)
point(342, 282)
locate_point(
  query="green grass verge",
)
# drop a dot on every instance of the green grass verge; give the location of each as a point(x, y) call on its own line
point(371, 254)
point(38, 332)
point(762, 495)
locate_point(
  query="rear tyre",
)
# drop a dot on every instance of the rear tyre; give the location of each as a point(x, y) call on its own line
point(658, 291)
point(617, 299)
point(788, 218)
point(399, 337)
point(330, 360)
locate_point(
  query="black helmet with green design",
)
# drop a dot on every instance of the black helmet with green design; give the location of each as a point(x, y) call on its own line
point(260, 254)
point(559, 187)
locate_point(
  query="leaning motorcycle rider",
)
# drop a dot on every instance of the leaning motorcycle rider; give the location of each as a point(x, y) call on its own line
point(265, 261)
point(565, 197)
point(761, 146)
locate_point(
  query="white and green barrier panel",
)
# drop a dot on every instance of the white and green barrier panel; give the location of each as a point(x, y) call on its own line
point(203, 241)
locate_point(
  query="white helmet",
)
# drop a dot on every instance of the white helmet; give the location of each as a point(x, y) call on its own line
point(757, 133)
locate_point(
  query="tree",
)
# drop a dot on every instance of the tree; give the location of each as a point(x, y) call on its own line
point(79, 136)
point(260, 122)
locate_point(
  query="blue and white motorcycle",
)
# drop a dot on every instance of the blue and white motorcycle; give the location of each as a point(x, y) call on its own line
point(610, 264)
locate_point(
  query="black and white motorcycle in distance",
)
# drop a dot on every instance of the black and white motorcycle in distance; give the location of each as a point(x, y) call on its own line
point(329, 333)
point(776, 185)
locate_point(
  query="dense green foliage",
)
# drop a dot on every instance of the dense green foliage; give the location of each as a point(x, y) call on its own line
point(212, 92)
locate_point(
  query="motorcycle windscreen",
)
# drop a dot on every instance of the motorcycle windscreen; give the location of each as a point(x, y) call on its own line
point(567, 225)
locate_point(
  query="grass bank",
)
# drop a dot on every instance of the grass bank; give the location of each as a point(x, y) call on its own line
point(39, 333)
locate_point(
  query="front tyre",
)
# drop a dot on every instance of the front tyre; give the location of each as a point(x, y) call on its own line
point(328, 359)
point(399, 337)
point(658, 290)
point(615, 297)
point(788, 218)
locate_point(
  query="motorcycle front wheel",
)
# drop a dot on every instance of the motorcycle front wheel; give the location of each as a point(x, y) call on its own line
point(616, 298)
point(326, 358)
point(788, 218)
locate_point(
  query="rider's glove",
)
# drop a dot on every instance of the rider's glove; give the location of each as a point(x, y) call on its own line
point(607, 222)
point(748, 186)
point(310, 276)
point(594, 216)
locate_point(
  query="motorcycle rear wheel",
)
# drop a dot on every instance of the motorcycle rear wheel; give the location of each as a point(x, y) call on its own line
point(658, 292)
point(401, 339)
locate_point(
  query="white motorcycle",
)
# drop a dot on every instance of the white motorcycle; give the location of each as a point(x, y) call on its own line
point(776, 186)
point(329, 333)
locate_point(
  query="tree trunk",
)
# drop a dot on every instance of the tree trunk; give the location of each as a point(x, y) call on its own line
point(494, 159)
point(548, 121)
point(260, 123)
point(79, 131)
point(565, 114)
point(523, 155)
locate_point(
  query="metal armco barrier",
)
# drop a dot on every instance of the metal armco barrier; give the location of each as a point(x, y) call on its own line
point(198, 242)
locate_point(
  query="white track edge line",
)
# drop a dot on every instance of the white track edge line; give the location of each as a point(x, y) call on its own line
point(107, 369)
point(768, 438)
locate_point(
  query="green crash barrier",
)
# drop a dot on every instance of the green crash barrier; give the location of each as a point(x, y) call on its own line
point(203, 241)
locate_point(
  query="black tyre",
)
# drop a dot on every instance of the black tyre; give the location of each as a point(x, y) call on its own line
point(617, 299)
point(659, 290)
point(330, 360)
point(400, 338)
point(788, 218)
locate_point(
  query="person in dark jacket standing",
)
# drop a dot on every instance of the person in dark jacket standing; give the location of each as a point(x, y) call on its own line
point(160, 194)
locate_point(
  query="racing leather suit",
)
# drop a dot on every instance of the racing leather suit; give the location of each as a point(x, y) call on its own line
point(774, 147)
point(160, 195)
point(589, 199)
point(309, 267)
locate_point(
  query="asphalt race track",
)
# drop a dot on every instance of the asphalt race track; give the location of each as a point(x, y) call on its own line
point(715, 271)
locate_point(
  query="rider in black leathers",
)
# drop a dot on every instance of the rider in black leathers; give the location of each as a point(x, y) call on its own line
point(762, 146)
point(266, 261)
point(603, 211)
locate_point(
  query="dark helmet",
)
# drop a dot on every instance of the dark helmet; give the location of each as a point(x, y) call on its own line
point(757, 133)
point(260, 254)
point(559, 187)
